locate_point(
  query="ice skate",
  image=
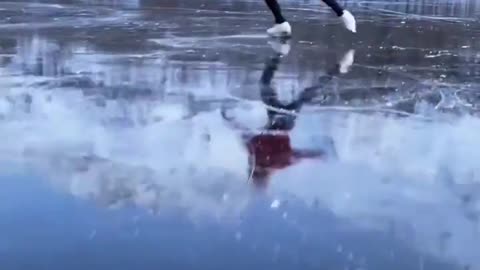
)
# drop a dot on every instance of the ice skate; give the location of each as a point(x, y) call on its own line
point(280, 30)
point(282, 47)
point(346, 62)
point(349, 21)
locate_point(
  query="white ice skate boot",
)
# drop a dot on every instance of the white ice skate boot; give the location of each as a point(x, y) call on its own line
point(349, 21)
point(280, 47)
point(346, 62)
point(280, 30)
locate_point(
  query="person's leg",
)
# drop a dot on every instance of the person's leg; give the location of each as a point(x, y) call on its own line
point(281, 27)
point(335, 6)
point(276, 10)
point(346, 17)
point(267, 92)
point(277, 120)
point(310, 93)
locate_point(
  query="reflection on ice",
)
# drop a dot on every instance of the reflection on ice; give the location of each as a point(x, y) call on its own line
point(417, 178)
point(166, 128)
point(179, 164)
point(432, 10)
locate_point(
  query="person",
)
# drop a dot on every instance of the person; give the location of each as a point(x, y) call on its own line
point(283, 28)
point(271, 150)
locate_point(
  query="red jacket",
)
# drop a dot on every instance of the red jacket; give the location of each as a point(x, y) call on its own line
point(273, 152)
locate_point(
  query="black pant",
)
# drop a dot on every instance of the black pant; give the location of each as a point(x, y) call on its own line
point(277, 11)
point(279, 120)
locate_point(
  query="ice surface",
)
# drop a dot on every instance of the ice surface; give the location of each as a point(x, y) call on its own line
point(120, 103)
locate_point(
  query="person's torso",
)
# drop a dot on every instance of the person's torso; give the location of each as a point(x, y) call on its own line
point(271, 150)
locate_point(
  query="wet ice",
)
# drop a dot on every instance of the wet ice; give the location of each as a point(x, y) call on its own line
point(120, 104)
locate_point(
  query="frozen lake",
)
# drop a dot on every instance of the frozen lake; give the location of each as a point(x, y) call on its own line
point(127, 128)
